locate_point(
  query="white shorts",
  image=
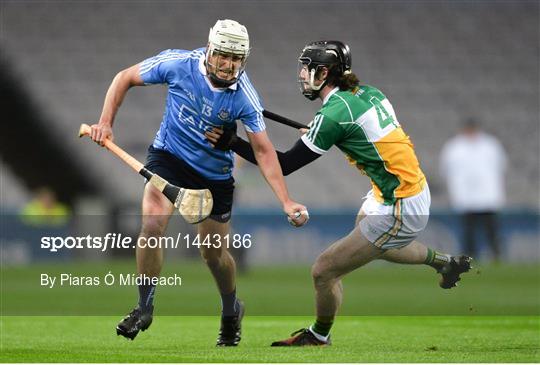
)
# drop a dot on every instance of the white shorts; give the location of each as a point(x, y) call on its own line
point(395, 226)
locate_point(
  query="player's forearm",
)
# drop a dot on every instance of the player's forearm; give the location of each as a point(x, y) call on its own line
point(114, 97)
point(290, 161)
point(118, 89)
point(243, 149)
point(271, 170)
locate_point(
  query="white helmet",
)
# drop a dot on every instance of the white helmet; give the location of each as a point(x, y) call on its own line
point(227, 38)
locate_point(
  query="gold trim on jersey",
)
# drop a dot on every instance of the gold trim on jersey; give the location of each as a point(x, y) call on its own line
point(397, 152)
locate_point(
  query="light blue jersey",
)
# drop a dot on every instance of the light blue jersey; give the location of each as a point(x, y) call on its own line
point(195, 106)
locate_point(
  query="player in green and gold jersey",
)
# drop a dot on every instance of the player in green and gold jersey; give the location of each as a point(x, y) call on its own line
point(361, 122)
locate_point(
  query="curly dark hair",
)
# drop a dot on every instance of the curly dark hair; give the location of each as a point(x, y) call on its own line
point(345, 82)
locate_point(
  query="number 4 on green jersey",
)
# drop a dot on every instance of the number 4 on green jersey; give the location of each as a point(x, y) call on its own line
point(384, 117)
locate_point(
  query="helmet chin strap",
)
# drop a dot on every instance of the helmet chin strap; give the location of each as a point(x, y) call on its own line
point(218, 82)
point(312, 81)
point(314, 91)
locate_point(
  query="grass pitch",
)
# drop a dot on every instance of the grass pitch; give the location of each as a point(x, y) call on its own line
point(191, 339)
point(493, 316)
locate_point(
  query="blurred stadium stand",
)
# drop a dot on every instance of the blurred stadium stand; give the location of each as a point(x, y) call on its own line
point(27, 133)
point(438, 62)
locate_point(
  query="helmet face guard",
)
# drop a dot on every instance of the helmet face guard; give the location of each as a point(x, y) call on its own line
point(224, 68)
point(227, 52)
point(335, 56)
point(307, 76)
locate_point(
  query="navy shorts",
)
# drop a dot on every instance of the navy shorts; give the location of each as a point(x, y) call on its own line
point(178, 172)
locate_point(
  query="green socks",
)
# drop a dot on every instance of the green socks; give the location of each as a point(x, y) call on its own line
point(322, 328)
point(436, 259)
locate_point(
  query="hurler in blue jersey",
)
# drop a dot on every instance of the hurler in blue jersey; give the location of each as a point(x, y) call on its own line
point(207, 88)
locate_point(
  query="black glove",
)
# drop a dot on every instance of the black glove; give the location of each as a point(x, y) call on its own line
point(228, 138)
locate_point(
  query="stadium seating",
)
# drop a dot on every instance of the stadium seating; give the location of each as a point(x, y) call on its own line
point(438, 62)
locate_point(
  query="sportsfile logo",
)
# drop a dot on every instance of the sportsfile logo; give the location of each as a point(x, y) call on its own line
point(110, 240)
point(120, 241)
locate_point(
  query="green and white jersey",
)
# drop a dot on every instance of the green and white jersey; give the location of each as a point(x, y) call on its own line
point(363, 125)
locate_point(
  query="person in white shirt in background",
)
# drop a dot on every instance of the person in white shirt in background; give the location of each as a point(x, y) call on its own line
point(474, 165)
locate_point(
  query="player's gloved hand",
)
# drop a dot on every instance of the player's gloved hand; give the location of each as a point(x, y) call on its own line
point(297, 214)
point(222, 139)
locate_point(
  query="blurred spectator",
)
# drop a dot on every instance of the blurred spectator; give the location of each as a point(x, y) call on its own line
point(45, 210)
point(473, 164)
